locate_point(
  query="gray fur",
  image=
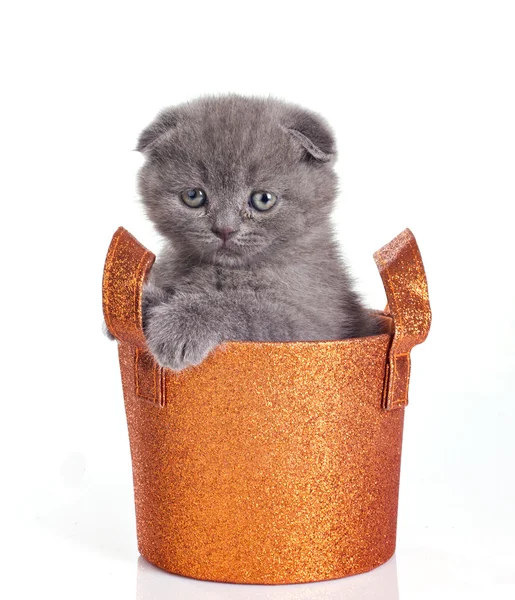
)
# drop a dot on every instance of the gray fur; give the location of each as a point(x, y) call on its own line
point(281, 276)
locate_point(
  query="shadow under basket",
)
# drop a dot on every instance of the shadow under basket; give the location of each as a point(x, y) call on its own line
point(271, 462)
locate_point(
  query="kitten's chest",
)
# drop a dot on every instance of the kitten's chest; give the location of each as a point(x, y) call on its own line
point(231, 279)
point(227, 280)
point(303, 285)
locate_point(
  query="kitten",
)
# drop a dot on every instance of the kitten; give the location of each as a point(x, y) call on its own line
point(242, 190)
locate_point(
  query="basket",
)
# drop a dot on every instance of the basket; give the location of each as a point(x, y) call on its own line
point(270, 462)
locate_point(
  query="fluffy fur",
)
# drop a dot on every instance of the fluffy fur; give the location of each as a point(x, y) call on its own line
point(280, 275)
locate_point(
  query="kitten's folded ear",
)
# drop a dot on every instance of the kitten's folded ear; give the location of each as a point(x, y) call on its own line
point(165, 120)
point(312, 132)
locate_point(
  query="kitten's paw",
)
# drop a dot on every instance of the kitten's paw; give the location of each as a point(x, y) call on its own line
point(178, 339)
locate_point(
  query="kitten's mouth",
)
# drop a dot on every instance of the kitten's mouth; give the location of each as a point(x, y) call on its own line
point(226, 245)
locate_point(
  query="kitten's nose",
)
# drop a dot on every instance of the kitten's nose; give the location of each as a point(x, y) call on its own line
point(223, 232)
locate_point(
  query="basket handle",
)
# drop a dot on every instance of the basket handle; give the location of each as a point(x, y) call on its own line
point(126, 267)
point(404, 279)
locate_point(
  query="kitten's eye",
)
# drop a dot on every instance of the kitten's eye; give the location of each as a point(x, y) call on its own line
point(194, 197)
point(263, 200)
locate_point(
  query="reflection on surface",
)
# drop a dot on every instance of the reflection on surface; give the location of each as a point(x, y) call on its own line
point(379, 584)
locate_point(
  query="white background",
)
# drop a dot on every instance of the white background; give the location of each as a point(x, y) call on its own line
point(421, 96)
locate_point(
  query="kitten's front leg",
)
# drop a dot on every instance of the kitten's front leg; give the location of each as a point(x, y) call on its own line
point(153, 295)
point(182, 331)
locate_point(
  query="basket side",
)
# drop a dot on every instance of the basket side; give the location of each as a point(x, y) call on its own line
point(283, 474)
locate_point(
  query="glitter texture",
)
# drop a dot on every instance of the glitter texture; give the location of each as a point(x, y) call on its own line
point(404, 279)
point(269, 462)
point(125, 270)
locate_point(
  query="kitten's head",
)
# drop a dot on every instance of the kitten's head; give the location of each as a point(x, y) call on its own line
point(232, 180)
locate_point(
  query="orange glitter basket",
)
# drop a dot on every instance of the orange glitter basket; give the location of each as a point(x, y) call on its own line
point(271, 462)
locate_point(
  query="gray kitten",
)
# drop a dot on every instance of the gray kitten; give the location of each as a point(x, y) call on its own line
point(242, 190)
